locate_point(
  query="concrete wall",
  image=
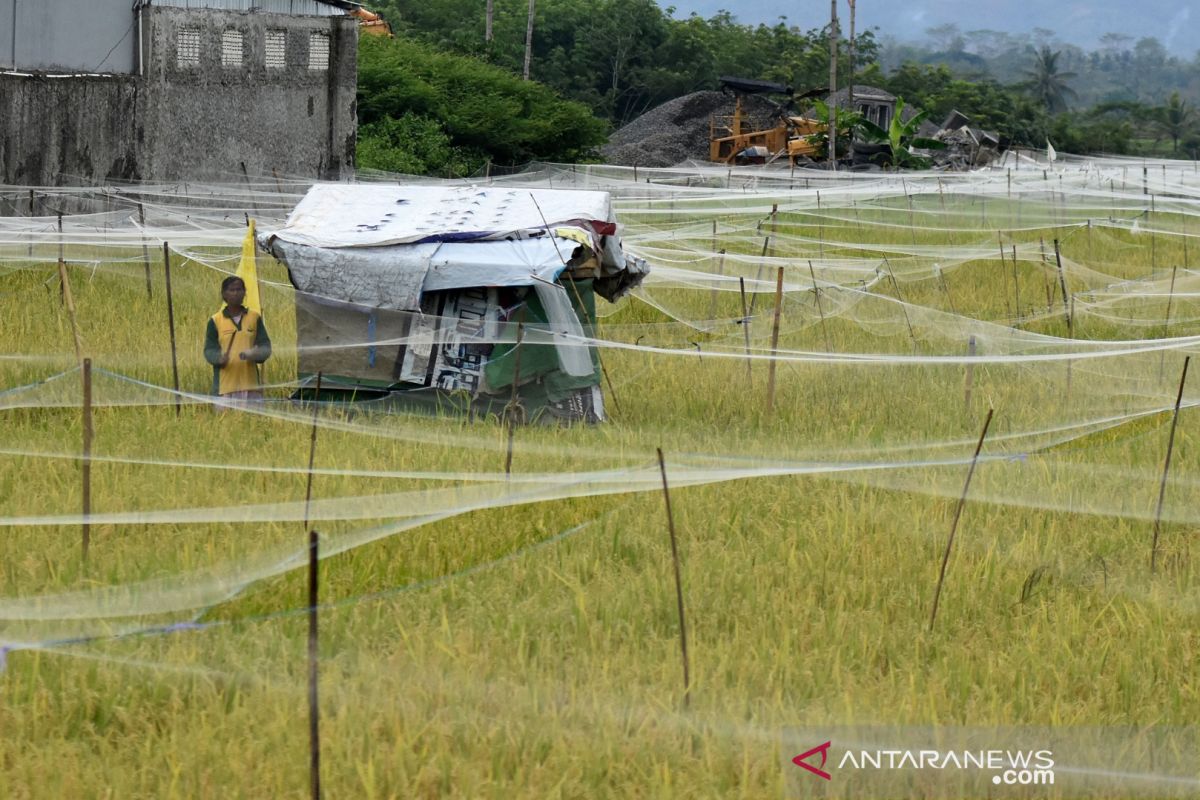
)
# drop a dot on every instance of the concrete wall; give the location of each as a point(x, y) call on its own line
point(68, 35)
point(190, 121)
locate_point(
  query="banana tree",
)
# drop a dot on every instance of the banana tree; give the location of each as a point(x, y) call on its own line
point(901, 136)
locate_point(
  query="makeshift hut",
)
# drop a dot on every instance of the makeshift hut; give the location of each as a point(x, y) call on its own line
point(454, 296)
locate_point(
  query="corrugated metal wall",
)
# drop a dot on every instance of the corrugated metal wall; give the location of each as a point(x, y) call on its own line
point(68, 35)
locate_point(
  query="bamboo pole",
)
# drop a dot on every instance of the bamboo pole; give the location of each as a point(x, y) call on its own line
point(969, 382)
point(945, 289)
point(758, 276)
point(962, 500)
point(820, 309)
point(746, 331)
point(528, 40)
point(171, 322)
point(1162, 489)
point(514, 403)
point(314, 709)
point(712, 301)
point(312, 451)
point(1062, 282)
point(64, 283)
point(774, 342)
point(253, 202)
point(1016, 288)
point(687, 688)
point(86, 462)
point(903, 305)
point(1004, 272)
point(1162, 357)
point(145, 252)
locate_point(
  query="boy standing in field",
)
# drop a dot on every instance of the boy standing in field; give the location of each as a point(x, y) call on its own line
point(235, 343)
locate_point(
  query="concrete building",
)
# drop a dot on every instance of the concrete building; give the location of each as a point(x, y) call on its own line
point(173, 89)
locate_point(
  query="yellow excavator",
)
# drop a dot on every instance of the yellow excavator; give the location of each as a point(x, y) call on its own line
point(370, 23)
point(729, 143)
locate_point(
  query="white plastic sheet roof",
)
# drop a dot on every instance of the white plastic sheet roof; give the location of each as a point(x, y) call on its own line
point(395, 277)
point(373, 215)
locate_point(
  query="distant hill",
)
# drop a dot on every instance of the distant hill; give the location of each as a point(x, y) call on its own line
point(1083, 23)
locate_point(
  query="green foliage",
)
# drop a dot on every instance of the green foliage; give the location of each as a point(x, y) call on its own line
point(1047, 83)
point(623, 57)
point(901, 136)
point(1176, 118)
point(461, 112)
point(414, 145)
point(849, 125)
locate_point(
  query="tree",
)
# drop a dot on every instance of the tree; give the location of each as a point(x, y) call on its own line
point(1176, 119)
point(1046, 83)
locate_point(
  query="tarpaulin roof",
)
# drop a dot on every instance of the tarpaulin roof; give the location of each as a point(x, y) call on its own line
point(358, 215)
point(395, 277)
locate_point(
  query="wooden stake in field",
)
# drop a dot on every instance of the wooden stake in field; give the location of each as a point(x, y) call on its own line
point(820, 225)
point(64, 284)
point(1062, 282)
point(253, 202)
point(687, 686)
point(314, 709)
point(1162, 489)
point(746, 330)
point(1162, 356)
point(171, 322)
point(1016, 287)
point(903, 305)
point(1004, 272)
point(962, 500)
point(758, 277)
point(312, 450)
point(820, 310)
point(145, 252)
point(514, 403)
point(774, 342)
point(945, 288)
point(969, 382)
point(86, 462)
point(712, 301)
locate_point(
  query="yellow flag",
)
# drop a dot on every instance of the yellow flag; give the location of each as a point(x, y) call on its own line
point(248, 271)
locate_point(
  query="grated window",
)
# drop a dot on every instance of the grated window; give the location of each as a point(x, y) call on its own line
point(232, 52)
point(187, 47)
point(318, 51)
point(276, 49)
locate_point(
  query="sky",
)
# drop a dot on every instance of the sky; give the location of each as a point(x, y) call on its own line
point(1176, 25)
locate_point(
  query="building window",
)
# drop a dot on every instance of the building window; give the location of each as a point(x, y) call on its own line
point(276, 49)
point(318, 51)
point(187, 47)
point(232, 52)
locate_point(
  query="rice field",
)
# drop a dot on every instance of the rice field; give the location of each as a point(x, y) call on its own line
point(486, 635)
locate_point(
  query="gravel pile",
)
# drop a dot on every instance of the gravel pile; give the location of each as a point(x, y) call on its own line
point(678, 129)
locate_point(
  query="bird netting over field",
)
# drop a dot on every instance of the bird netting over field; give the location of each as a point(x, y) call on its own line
point(814, 352)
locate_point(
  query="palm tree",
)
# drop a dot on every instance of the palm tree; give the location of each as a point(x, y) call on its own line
point(1047, 85)
point(1176, 119)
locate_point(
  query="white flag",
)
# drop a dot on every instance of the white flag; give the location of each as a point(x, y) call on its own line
point(1050, 154)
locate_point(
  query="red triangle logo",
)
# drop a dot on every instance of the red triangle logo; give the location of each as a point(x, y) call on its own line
point(823, 749)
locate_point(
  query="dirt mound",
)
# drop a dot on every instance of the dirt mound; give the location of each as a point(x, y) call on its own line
point(678, 130)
